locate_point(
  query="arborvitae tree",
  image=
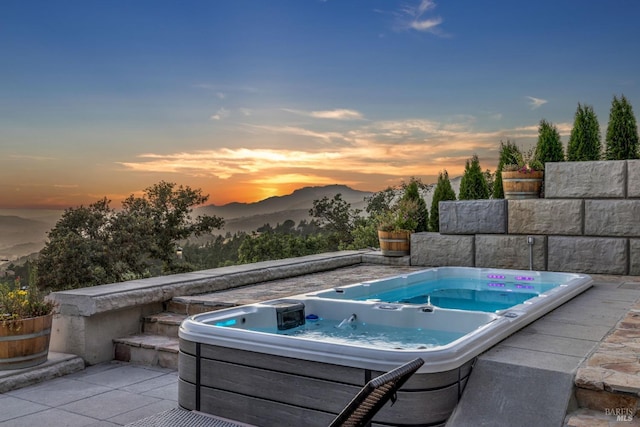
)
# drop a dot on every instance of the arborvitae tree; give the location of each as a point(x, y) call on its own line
point(509, 155)
point(412, 192)
point(584, 143)
point(443, 191)
point(473, 184)
point(549, 147)
point(622, 131)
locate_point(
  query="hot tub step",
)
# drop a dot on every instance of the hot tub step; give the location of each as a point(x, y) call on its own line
point(146, 349)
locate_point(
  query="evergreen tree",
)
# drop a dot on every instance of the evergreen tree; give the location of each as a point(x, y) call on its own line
point(549, 147)
point(622, 131)
point(584, 143)
point(509, 154)
point(443, 191)
point(473, 184)
point(412, 192)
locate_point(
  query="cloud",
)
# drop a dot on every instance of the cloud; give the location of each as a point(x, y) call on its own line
point(393, 148)
point(413, 17)
point(222, 113)
point(536, 102)
point(336, 114)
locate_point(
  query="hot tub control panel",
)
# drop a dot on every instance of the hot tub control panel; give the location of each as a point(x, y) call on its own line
point(290, 314)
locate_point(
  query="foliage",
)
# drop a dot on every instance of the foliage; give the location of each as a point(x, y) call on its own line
point(526, 163)
point(19, 302)
point(421, 214)
point(405, 216)
point(509, 155)
point(95, 245)
point(473, 184)
point(549, 146)
point(622, 131)
point(442, 192)
point(270, 246)
point(380, 201)
point(336, 216)
point(584, 142)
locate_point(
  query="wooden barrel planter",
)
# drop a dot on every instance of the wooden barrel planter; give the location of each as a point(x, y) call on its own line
point(522, 185)
point(394, 243)
point(24, 343)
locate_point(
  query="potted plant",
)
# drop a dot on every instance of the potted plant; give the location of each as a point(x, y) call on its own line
point(396, 225)
point(523, 180)
point(25, 326)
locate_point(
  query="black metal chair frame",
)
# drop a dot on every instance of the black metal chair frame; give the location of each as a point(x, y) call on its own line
point(374, 395)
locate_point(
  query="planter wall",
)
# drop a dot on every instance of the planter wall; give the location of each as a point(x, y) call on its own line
point(588, 222)
point(24, 343)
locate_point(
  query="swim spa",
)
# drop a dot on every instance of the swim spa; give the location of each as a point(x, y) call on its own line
point(299, 360)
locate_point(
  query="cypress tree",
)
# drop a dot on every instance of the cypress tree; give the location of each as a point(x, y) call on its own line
point(443, 191)
point(473, 185)
point(622, 131)
point(584, 143)
point(412, 192)
point(509, 154)
point(549, 147)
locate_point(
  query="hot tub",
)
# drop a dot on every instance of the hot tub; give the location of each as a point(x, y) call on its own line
point(299, 360)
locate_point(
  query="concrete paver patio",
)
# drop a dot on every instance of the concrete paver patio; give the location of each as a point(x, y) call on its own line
point(574, 338)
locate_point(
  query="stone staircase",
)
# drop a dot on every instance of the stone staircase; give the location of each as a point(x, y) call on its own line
point(157, 344)
point(607, 385)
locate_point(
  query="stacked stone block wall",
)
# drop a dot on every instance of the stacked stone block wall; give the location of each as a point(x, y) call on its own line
point(588, 222)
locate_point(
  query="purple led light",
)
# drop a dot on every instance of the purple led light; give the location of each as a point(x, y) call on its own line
point(525, 278)
point(525, 287)
point(496, 285)
point(495, 276)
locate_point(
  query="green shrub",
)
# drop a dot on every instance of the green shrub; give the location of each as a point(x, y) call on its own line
point(549, 146)
point(584, 142)
point(443, 191)
point(473, 184)
point(622, 131)
point(509, 155)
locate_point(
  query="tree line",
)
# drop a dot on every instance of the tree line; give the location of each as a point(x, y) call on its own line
point(156, 234)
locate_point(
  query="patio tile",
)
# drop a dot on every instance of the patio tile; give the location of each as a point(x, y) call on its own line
point(51, 417)
point(12, 407)
point(122, 376)
point(58, 392)
point(153, 383)
point(144, 412)
point(108, 405)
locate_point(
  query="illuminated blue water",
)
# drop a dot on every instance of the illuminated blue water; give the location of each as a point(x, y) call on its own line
point(368, 335)
point(464, 294)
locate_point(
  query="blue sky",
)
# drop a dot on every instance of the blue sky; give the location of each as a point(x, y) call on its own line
point(248, 99)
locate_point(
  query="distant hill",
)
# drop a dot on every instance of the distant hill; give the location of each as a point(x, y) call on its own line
point(23, 232)
point(21, 236)
point(295, 206)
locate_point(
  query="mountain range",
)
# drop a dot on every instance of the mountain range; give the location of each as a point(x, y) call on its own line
point(23, 232)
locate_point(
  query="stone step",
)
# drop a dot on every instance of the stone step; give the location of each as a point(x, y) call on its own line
point(148, 349)
point(608, 383)
point(195, 305)
point(165, 324)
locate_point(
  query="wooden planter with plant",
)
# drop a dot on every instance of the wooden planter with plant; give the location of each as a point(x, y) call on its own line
point(395, 228)
point(524, 179)
point(25, 327)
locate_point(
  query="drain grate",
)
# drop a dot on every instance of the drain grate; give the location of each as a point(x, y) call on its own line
point(182, 418)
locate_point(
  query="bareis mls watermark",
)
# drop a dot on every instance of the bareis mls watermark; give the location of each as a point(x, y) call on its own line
point(621, 414)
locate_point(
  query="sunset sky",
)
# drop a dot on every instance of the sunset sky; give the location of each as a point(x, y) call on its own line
point(248, 99)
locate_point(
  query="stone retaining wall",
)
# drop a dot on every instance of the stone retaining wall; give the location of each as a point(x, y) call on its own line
point(89, 319)
point(588, 222)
